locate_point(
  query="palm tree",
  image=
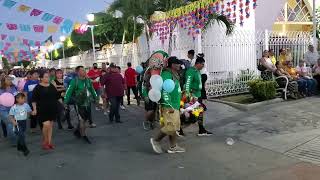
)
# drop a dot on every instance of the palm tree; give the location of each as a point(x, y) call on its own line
point(133, 9)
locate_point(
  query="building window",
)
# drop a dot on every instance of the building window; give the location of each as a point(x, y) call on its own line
point(297, 11)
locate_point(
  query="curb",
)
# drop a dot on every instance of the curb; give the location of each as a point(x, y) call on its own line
point(248, 107)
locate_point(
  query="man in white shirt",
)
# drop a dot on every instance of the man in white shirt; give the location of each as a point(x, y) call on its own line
point(311, 56)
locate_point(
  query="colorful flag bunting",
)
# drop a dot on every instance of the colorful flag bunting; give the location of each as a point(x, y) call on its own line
point(47, 17)
point(9, 3)
point(37, 43)
point(38, 28)
point(57, 20)
point(25, 27)
point(36, 12)
point(12, 38)
point(67, 26)
point(3, 36)
point(12, 26)
point(23, 8)
point(52, 29)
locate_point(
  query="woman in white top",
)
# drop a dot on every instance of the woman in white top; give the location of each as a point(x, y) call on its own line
point(270, 68)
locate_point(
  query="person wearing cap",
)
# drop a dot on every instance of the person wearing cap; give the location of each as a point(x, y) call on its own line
point(170, 110)
point(193, 88)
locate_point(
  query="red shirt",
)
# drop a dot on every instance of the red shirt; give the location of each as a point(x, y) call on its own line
point(130, 76)
point(93, 74)
point(114, 84)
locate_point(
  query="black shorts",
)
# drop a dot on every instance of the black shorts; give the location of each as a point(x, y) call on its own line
point(84, 112)
point(150, 106)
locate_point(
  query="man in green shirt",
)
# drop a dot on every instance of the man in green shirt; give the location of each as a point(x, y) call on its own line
point(193, 89)
point(82, 93)
point(170, 110)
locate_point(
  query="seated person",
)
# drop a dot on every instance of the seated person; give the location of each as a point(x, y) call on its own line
point(269, 68)
point(292, 86)
point(304, 72)
point(302, 84)
point(316, 73)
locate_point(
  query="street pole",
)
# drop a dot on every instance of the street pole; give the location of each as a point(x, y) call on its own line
point(51, 55)
point(64, 57)
point(93, 45)
point(315, 41)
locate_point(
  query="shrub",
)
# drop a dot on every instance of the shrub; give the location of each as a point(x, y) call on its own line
point(262, 90)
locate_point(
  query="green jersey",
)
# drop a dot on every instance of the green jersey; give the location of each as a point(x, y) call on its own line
point(193, 82)
point(82, 91)
point(171, 100)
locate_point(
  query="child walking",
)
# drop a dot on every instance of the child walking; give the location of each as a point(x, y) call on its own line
point(18, 116)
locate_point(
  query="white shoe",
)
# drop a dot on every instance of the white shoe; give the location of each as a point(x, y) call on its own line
point(105, 113)
point(123, 108)
point(98, 109)
point(176, 149)
point(156, 146)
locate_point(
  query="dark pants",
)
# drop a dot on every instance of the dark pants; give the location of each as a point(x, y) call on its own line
point(135, 92)
point(85, 113)
point(64, 114)
point(114, 108)
point(302, 85)
point(317, 78)
point(20, 132)
point(4, 129)
point(204, 79)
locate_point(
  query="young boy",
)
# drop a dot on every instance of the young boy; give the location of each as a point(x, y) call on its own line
point(18, 116)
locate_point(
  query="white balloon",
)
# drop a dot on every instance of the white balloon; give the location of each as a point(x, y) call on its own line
point(154, 95)
point(156, 82)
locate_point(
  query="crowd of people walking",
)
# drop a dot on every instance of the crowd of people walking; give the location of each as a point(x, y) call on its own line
point(45, 96)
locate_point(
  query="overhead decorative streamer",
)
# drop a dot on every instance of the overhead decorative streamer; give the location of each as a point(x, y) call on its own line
point(9, 3)
point(67, 26)
point(12, 26)
point(3, 37)
point(12, 38)
point(36, 12)
point(52, 29)
point(47, 17)
point(194, 16)
point(23, 8)
point(57, 20)
point(25, 27)
point(38, 28)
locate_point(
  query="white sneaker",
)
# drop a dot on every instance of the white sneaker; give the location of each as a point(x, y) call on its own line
point(106, 113)
point(156, 146)
point(98, 109)
point(176, 149)
point(123, 108)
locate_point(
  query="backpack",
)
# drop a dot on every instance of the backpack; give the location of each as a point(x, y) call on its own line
point(182, 73)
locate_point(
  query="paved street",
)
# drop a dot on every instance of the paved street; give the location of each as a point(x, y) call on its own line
point(265, 146)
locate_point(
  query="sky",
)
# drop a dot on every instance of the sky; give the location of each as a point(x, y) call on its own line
point(74, 10)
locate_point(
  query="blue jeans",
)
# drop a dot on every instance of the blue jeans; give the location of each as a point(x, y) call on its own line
point(302, 86)
point(4, 117)
point(20, 132)
point(311, 86)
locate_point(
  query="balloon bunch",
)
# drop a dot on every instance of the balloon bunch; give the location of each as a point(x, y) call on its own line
point(158, 85)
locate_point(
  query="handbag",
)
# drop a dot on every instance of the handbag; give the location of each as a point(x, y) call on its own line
point(261, 67)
